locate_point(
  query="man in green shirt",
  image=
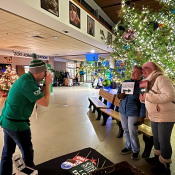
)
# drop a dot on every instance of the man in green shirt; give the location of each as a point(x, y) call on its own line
point(18, 108)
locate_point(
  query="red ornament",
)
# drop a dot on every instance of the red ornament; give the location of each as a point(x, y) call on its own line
point(161, 25)
point(122, 64)
point(129, 35)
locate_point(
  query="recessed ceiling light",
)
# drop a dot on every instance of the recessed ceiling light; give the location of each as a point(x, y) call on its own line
point(54, 37)
point(92, 51)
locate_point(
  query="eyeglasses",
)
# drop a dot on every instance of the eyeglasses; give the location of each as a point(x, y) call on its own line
point(144, 68)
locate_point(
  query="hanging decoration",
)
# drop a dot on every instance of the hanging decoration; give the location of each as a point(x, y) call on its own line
point(173, 10)
point(9, 59)
point(129, 35)
point(106, 82)
point(122, 64)
point(126, 47)
point(161, 25)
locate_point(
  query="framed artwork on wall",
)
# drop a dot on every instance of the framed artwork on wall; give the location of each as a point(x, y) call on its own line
point(109, 38)
point(90, 26)
point(74, 15)
point(51, 6)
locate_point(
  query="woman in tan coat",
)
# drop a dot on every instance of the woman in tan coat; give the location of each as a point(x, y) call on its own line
point(160, 104)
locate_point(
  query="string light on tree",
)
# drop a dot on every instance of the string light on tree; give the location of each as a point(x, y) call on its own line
point(154, 39)
point(8, 78)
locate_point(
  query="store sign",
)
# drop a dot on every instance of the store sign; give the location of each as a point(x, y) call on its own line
point(71, 65)
point(29, 55)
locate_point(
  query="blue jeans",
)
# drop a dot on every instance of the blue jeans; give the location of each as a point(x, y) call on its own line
point(130, 132)
point(161, 138)
point(11, 139)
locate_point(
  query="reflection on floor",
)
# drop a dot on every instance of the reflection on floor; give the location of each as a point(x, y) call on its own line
point(68, 125)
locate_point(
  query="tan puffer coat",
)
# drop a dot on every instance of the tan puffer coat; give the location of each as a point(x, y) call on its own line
point(160, 105)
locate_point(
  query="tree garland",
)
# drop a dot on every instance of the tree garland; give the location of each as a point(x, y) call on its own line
point(145, 36)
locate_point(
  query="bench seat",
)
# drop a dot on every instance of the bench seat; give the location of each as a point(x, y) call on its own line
point(145, 129)
point(98, 103)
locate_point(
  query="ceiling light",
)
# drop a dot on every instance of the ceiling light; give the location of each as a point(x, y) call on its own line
point(54, 37)
point(92, 51)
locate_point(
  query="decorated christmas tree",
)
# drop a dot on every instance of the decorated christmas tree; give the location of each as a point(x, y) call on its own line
point(7, 79)
point(145, 36)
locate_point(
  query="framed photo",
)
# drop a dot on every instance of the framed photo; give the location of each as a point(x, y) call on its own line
point(51, 6)
point(74, 15)
point(109, 38)
point(90, 26)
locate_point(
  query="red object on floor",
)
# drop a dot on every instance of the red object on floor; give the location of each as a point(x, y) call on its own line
point(5, 95)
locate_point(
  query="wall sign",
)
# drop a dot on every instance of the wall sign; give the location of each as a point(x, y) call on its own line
point(29, 55)
point(9, 59)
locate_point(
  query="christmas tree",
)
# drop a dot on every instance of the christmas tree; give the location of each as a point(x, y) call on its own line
point(145, 36)
point(8, 78)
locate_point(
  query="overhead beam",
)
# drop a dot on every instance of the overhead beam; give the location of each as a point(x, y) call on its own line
point(118, 4)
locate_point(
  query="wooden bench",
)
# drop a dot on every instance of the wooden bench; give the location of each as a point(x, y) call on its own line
point(98, 104)
point(145, 128)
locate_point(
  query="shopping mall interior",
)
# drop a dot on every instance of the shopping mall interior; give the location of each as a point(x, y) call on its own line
point(48, 28)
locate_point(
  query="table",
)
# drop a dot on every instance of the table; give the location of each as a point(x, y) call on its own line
point(53, 167)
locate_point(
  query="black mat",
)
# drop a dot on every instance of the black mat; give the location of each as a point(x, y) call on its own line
point(53, 167)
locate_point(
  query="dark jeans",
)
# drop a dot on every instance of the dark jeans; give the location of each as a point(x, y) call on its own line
point(161, 138)
point(11, 139)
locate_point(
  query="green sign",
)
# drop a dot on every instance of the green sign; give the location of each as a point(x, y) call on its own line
point(49, 68)
point(83, 168)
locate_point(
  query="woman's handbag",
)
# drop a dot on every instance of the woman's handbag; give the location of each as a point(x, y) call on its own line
point(122, 168)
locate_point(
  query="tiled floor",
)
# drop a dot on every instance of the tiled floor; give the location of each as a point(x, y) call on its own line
point(68, 125)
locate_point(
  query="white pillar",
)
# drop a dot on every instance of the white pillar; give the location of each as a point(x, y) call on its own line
point(112, 63)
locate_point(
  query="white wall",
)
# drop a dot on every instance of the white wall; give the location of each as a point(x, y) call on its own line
point(112, 63)
point(59, 66)
point(51, 61)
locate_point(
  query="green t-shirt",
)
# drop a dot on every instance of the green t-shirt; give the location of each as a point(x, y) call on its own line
point(20, 103)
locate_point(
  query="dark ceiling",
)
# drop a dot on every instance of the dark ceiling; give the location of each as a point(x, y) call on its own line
point(112, 7)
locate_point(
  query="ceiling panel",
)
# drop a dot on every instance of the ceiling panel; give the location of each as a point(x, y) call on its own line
point(112, 7)
point(16, 32)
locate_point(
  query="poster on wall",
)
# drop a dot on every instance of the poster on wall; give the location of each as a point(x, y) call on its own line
point(51, 5)
point(90, 26)
point(74, 15)
point(109, 38)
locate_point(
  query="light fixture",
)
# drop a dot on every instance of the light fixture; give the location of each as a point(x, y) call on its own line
point(92, 51)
